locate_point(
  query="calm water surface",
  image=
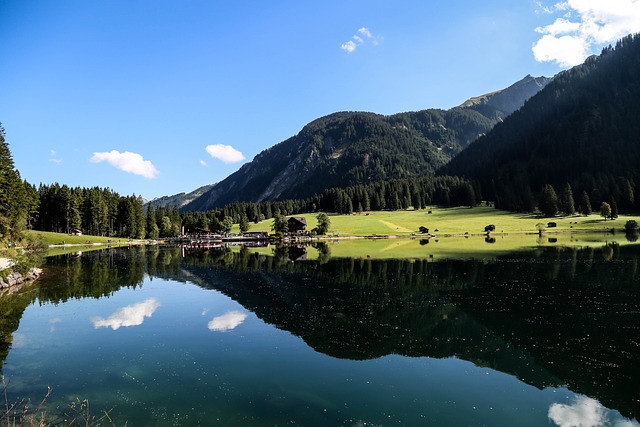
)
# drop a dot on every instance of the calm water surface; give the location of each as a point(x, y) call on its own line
point(163, 336)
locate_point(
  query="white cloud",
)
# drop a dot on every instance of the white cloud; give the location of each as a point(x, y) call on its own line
point(586, 25)
point(227, 321)
point(361, 37)
point(226, 153)
point(54, 157)
point(561, 26)
point(587, 412)
point(132, 315)
point(365, 32)
point(349, 46)
point(566, 51)
point(128, 162)
point(203, 163)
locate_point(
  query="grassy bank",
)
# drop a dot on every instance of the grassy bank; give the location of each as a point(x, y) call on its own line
point(60, 243)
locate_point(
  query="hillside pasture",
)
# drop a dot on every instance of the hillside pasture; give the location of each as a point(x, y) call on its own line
point(443, 222)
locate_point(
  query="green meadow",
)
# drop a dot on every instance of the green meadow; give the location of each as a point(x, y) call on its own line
point(453, 232)
point(61, 243)
point(444, 222)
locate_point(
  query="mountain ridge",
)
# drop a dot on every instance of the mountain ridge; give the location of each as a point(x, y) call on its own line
point(347, 148)
point(581, 130)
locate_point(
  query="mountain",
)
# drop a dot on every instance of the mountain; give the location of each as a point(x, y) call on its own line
point(348, 148)
point(502, 103)
point(581, 129)
point(179, 199)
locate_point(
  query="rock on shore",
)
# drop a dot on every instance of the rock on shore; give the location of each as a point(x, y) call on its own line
point(14, 278)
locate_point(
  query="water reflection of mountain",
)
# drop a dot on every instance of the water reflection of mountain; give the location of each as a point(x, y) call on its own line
point(550, 317)
point(575, 311)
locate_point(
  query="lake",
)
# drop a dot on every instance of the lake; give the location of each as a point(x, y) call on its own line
point(167, 336)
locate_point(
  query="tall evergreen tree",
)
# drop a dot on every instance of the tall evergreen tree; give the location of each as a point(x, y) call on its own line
point(152, 226)
point(548, 201)
point(614, 209)
point(566, 202)
point(585, 204)
point(13, 211)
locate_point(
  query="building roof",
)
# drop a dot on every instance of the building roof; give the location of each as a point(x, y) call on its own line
point(299, 219)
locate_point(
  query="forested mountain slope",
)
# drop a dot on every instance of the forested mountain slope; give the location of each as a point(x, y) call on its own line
point(180, 199)
point(582, 129)
point(348, 148)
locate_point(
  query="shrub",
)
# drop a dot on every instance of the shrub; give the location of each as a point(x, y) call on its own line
point(631, 226)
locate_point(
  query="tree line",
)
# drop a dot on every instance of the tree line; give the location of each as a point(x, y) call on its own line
point(96, 211)
point(380, 195)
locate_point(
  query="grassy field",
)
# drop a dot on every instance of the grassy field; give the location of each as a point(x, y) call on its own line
point(451, 221)
point(60, 243)
point(448, 227)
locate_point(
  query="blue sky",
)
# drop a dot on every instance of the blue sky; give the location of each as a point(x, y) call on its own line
point(157, 97)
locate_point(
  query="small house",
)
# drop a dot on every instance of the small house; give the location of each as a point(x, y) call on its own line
point(297, 224)
point(77, 232)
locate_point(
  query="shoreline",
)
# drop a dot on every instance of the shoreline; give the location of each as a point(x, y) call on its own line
point(14, 281)
point(442, 235)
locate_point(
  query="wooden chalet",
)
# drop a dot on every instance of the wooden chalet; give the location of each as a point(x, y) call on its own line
point(297, 224)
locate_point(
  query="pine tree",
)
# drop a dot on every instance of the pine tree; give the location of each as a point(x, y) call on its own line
point(548, 201)
point(585, 204)
point(614, 209)
point(152, 226)
point(566, 202)
point(13, 196)
point(244, 224)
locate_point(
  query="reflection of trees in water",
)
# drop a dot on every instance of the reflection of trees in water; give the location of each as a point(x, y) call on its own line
point(11, 308)
point(574, 310)
point(92, 274)
point(549, 316)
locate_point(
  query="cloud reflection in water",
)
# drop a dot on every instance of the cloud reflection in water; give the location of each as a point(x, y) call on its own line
point(227, 321)
point(131, 315)
point(587, 412)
